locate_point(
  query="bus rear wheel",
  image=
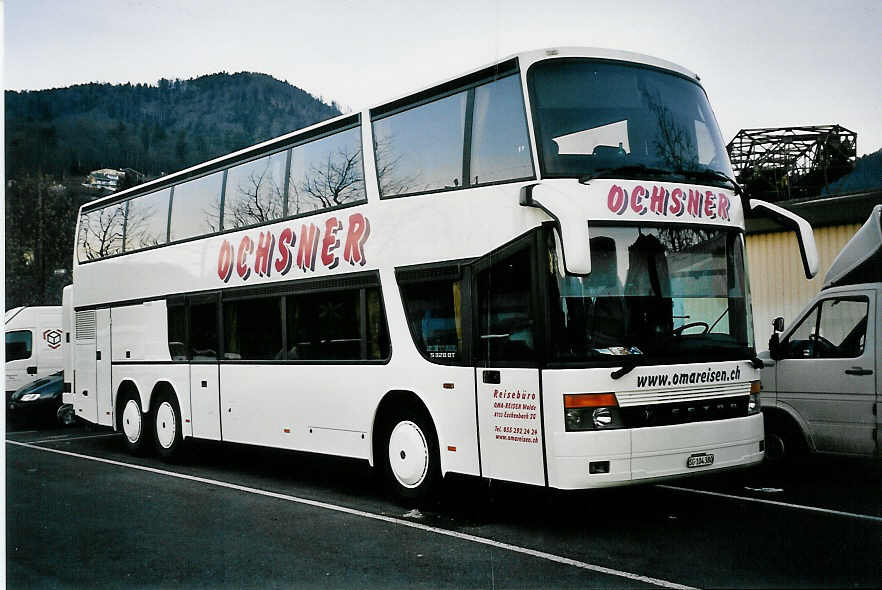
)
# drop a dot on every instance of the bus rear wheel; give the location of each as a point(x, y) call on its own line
point(133, 426)
point(166, 420)
point(411, 468)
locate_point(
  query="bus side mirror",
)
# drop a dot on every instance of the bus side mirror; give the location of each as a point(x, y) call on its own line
point(804, 234)
point(778, 324)
point(775, 346)
point(570, 223)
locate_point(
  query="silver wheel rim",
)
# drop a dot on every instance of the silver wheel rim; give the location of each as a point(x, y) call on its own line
point(132, 421)
point(408, 454)
point(166, 425)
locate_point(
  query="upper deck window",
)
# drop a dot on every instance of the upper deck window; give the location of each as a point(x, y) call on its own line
point(195, 208)
point(147, 221)
point(101, 232)
point(595, 116)
point(255, 192)
point(473, 137)
point(327, 173)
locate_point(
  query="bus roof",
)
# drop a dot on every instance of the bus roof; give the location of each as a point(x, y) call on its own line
point(525, 60)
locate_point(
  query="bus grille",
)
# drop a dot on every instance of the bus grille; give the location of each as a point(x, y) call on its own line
point(86, 325)
point(704, 410)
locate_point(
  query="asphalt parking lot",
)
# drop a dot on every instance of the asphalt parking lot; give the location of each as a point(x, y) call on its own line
point(81, 513)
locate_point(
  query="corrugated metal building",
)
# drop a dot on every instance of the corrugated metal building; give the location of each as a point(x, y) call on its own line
point(777, 282)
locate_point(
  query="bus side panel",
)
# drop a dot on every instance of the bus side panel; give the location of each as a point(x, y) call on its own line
point(322, 408)
point(85, 405)
point(140, 333)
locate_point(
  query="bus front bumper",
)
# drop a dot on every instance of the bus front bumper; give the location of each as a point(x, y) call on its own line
point(644, 455)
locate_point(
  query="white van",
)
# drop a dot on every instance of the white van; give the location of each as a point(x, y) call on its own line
point(34, 342)
point(821, 384)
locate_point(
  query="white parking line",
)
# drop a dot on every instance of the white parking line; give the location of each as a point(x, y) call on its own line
point(776, 503)
point(351, 511)
point(65, 438)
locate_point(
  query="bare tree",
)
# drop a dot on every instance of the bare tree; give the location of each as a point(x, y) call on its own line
point(258, 199)
point(101, 232)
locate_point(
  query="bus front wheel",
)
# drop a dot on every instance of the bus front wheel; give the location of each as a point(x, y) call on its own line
point(411, 460)
point(166, 419)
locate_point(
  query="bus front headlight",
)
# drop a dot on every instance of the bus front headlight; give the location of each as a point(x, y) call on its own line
point(591, 411)
point(754, 406)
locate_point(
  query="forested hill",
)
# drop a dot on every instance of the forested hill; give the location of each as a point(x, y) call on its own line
point(67, 132)
point(56, 137)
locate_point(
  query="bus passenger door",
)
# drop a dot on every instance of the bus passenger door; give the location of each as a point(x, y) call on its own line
point(507, 377)
point(103, 385)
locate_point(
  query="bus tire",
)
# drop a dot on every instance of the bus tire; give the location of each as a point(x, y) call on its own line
point(409, 457)
point(134, 425)
point(166, 425)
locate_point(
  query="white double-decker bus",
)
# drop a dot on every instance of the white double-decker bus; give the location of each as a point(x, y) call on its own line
point(533, 272)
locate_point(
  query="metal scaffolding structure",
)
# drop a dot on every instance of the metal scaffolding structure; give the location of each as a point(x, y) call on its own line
point(780, 163)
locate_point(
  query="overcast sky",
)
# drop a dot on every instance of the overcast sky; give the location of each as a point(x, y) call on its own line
point(763, 63)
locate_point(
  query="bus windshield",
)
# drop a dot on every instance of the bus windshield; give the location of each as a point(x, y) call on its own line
point(655, 294)
point(595, 116)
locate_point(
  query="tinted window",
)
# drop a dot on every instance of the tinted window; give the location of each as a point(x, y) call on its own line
point(101, 232)
point(327, 172)
point(203, 330)
point(253, 329)
point(147, 221)
point(500, 144)
point(505, 324)
point(324, 326)
point(255, 192)
point(196, 207)
point(800, 342)
point(18, 345)
point(434, 313)
point(421, 149)
point(377, 335)
point(177, 332)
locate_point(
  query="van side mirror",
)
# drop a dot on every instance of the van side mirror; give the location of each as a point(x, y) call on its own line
point(775, 346)
point(778, 324)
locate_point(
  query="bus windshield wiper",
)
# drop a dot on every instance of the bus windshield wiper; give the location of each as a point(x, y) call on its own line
point(711, 175)
point(627, 366)
point(628, 170)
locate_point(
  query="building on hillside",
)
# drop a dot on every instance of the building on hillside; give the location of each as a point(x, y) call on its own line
point(777, 282)
point(106, 179)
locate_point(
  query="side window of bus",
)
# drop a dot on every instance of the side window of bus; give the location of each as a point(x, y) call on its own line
point(203, 330)
point(500, 147)
point(255, 191)
point(19, 345)
point(434, 314)
point(147, 221)
point(505, 317)
point(253, 329)
point(101, 232)
point(177, 331)
point(328, 326)
point(421, 149)
point(195, 207)
point(327, 172)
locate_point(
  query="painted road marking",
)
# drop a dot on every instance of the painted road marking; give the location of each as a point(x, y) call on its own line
point(776, 503)
point(379, 517)
point(63, 438)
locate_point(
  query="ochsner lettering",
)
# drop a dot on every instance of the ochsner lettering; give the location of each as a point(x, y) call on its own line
point(304, 248)
point(659, 201)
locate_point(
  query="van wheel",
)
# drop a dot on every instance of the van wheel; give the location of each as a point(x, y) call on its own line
point(410, 461)
point(133, 426)
point(783, 442)
point(166, 420)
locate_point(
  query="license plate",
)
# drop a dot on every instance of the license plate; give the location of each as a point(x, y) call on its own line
point(700, 460)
